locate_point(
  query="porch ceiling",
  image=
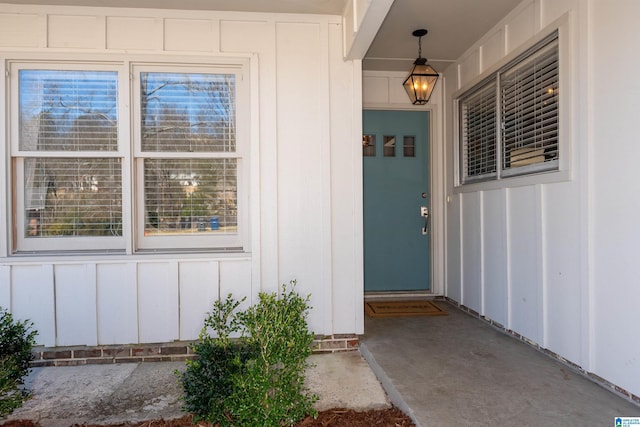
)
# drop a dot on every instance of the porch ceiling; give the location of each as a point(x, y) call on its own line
point(454, 25)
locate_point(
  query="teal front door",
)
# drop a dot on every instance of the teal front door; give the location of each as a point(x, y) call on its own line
point(396, 193)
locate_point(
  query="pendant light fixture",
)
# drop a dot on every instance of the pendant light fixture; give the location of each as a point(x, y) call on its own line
point(422, 78)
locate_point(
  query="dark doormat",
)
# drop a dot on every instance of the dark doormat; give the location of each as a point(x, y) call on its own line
point(402, 308)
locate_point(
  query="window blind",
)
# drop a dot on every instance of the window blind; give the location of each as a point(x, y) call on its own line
point(73, 197)
point(68, 110)
point(529, 110)
point(182, 195)
point(185, 112)
point(478, 132)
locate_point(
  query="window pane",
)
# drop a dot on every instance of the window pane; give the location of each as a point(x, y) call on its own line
point(72, 197)
point(389, 146)
point(187, 112)
point(478, 132)
point(409, 146)
point(185, 196)
point(530, 109)
point(368, 145)
point(68, 110)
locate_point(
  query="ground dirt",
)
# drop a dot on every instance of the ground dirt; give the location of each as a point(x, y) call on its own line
point(392, 417)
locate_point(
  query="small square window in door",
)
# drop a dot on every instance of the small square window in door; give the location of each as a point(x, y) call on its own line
point(368, 145)
point(389, 146)
point(409, 146)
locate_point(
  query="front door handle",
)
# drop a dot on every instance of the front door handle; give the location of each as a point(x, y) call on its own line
point(424, 212)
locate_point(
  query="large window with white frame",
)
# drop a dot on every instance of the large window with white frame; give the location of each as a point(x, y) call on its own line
point(509, 122)
point(186, 157)
point(91, 174)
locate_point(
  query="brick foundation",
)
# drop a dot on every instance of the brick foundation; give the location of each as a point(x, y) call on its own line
point(335, 343)
point(173, 352)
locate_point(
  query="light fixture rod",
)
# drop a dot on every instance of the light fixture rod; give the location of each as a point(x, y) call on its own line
point(419, 34)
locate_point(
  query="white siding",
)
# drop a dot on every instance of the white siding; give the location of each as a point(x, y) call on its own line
point(199, 285)
point(234, 278)
point(471, 245)
point(117, 298)
point(346, 222)
point(563, 288)
point(245, 36)
point(493, 49)
point(468, 67)
point(495, 259)
point(75, 299)
point(158, 302)
point(375, 89)
point(383, 89)
point(190, 35)
point(614, 203)
point(454, 244)
point(524, 255)
point(303, 139)
point(22, 30)
point(5, 287)
point(300, 144)
point(121, 30)
point(522, 25)
point(32, 298)
point(83, 32)
point(559, 254)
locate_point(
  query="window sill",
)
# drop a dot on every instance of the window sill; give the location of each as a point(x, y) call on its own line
point(550, 177)
point(104, 257)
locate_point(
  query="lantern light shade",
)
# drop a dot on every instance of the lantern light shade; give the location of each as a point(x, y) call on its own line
point(422, 79)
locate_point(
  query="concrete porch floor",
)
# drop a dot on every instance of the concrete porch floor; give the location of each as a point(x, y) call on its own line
point(458, 370)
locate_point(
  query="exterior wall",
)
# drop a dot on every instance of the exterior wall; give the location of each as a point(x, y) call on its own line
point(304, 182)
point(552, 257)
point(614, 205)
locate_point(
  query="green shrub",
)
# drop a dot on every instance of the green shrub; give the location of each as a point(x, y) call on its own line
point(207, 381)
point(258, 378)
point(16, 341)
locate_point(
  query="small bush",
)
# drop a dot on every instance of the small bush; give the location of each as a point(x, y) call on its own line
point(16, 341)
point(258, 378)
point(270, 391)
point(207, 381)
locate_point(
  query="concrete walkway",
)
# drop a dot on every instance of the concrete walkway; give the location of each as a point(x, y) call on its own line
point(115, 393)
point(457, 370)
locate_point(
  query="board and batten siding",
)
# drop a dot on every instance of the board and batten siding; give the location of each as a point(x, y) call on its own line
point(120, 302)
point(614, 258)
point(304, 185)
point(553, 257)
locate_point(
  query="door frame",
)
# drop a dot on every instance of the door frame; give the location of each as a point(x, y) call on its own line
point(437, 171)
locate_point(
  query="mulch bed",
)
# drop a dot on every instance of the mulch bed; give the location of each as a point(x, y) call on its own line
point(392, 417)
